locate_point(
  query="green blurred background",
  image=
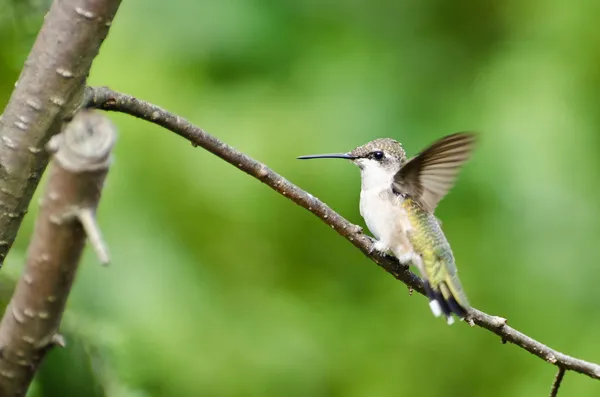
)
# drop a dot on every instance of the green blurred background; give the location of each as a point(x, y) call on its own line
point(221, 287)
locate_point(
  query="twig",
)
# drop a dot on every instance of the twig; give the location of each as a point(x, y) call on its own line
point(87, 217)
point(32, 318)
point(104, 98)
point(49, 90)
point(557, 381)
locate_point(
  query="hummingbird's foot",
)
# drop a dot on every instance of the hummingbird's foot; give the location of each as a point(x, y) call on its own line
point(406, 258)
point(380, 247)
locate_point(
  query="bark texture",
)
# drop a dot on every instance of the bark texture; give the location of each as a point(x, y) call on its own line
point(49, 90)
point(30, 324)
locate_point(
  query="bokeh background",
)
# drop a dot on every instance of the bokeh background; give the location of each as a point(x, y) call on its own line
point(221, 287)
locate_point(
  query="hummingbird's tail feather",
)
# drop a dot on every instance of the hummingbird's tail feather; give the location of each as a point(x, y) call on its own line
point(442, 300)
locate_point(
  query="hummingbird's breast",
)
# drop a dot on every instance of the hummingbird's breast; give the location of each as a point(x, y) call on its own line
point(385, 215)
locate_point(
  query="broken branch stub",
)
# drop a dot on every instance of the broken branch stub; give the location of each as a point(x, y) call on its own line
point(46, 96)
point(81, 158)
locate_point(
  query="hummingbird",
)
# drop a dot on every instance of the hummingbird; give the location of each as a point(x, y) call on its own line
point(398, 198)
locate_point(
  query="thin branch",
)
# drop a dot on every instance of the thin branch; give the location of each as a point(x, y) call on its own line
point(30, 324)
point(106, 99)
point(557, 381)
point(49, 90)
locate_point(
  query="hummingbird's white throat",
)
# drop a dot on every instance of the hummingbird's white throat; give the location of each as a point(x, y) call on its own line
point(377, 175)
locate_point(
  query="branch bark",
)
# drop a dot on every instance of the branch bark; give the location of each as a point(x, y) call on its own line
point(49, 90)
point(32, 318)
point(106, 99)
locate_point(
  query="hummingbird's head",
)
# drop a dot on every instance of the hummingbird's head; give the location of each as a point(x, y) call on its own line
point(382, 153)
point(378, 160)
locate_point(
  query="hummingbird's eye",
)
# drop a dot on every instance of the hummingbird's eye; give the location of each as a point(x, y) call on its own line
point(378, 155)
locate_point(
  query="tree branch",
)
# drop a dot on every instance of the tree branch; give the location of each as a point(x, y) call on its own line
point(557, 381)
point(106, 99)
point(32, 318)
point(49, 89)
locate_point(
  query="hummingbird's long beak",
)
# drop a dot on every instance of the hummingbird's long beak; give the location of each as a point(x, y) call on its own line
point(328, 156)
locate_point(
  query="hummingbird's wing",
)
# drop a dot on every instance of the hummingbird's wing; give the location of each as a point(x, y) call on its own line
point(430, 175)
